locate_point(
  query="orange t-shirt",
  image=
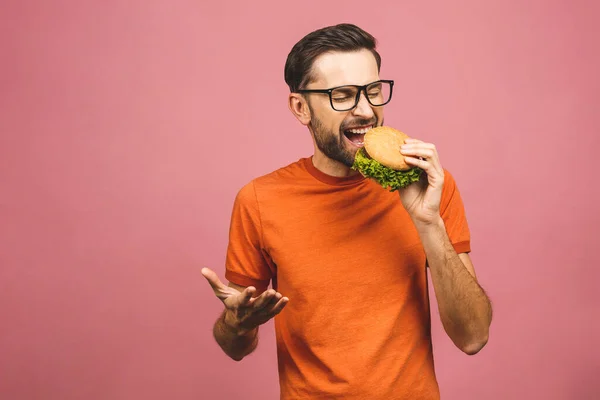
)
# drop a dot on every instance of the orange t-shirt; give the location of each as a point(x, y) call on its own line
point(348, 256)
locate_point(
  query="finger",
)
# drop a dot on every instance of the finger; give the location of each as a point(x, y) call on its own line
point(247, 295)
point(263, 299)
point(237, 299)
point(413, 140)
point(213, 279)
point(269, 305)
point(425, 151)
point(419, 145)
point(276, 309)
point(421, 163)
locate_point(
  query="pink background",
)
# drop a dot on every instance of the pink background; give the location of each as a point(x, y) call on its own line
point(127, 127)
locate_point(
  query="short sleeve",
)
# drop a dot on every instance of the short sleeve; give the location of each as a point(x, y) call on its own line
point(453, 213)
point(247, 264)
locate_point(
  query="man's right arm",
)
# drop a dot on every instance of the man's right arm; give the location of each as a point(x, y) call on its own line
point(236, 330)
point(235, 342)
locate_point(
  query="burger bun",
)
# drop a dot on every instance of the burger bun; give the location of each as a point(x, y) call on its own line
point(383, 145)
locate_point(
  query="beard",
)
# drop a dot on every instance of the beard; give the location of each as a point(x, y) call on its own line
point(332, 144)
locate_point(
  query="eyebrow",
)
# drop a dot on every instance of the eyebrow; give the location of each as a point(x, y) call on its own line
point(346, 89)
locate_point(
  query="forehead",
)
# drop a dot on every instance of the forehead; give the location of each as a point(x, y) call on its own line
point(344, 68)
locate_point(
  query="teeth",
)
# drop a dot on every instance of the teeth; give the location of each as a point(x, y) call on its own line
point(360, 131)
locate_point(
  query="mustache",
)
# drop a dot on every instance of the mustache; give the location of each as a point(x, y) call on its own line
point(358, 122)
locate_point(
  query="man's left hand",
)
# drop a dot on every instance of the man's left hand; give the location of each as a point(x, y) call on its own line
point(422, 199)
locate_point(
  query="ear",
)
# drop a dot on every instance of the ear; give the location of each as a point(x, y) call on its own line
point(299, 107)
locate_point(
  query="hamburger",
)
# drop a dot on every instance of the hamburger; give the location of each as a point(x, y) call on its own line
point(380, 159)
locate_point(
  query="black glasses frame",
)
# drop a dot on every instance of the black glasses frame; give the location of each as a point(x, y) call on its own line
point(360, 89)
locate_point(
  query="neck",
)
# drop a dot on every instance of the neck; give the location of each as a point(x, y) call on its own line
point(331, 167)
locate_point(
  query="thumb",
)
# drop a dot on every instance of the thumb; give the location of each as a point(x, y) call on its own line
point(213, 279)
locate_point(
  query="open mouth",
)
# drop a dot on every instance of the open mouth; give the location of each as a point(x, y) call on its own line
point(356, 136)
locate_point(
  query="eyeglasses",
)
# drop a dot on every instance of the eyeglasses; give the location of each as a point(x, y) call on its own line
point(345, 98)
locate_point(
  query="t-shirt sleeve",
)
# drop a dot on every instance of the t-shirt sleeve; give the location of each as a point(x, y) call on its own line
point(247, 264)
point(453, 213)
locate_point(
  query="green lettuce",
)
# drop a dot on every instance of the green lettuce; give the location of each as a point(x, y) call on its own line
point(388, 178)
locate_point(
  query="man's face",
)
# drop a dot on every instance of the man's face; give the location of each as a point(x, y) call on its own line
point(337, 134)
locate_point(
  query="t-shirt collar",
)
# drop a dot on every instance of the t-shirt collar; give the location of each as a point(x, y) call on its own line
point(329, 179)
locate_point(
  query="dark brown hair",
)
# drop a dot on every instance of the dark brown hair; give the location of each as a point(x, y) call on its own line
point(341, 37)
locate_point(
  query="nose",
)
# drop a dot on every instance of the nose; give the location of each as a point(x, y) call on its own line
point(363, 108)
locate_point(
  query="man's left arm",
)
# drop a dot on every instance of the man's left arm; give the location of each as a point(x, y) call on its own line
point(465, 309)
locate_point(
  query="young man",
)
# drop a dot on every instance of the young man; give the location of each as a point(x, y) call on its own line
point(347, 259)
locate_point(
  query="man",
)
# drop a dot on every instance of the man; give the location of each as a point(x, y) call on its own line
point(346, 258)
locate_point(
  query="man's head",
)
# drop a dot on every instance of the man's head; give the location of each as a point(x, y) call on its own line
point(328, 58)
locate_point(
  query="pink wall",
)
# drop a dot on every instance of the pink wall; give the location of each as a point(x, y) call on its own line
point(127, 127)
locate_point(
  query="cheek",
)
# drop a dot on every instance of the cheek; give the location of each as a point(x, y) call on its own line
point(329, 119)
point(333, 122)
point(337, 126)
point(379, 115)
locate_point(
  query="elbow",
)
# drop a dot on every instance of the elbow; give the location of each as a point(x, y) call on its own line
point(235, 355)
point(474, 346)
point(475, 338)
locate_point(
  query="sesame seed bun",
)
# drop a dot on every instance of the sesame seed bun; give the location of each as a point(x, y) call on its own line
point(383, 145)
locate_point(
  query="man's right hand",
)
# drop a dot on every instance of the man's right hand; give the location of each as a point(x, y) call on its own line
point(243, 312)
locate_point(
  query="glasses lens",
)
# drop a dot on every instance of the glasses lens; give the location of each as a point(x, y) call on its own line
point(343, 98)
point(379, 93)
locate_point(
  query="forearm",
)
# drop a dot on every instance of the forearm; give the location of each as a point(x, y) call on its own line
point(235, 343)
point(465, 309)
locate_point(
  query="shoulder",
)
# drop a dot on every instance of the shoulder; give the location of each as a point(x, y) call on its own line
point(450, 192)
point(272, 183)
point(449, 181)
point(274, 180)
point(283, 174)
